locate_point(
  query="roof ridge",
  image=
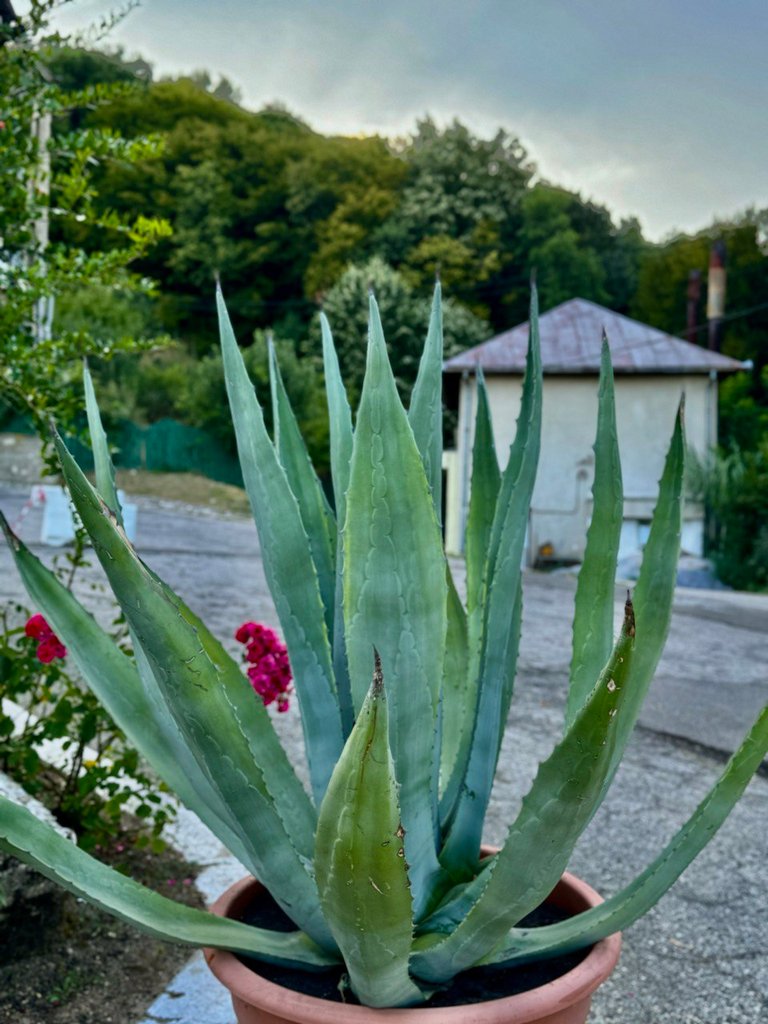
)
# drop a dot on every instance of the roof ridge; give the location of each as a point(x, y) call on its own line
point(571, 334)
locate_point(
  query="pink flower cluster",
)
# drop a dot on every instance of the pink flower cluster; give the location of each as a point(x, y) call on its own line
point(49, 646)
point(270, 670)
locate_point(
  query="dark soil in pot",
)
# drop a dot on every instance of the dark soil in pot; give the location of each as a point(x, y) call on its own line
point(62, 961)
point(475, 986)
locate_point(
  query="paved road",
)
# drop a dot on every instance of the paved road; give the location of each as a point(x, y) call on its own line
point(701, 957)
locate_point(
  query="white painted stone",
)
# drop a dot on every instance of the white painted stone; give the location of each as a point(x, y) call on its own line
point(13, 791)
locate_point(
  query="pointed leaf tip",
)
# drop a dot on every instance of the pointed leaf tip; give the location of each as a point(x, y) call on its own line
point(10, 536)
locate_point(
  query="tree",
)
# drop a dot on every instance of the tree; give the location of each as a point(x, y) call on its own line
point(48, 174)
point(461, 203)
point(404, 314)
point(661, 301)
point(201, 397)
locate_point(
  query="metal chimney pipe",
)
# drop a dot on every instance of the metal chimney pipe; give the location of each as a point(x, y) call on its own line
point(693, 296)
point(716, 294)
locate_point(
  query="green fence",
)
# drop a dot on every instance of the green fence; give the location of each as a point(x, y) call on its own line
point(166, 446)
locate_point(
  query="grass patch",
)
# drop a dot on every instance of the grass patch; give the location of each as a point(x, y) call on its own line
point(186, 487)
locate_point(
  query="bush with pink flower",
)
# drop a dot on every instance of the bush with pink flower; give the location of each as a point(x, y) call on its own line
point(102, 773)
point(269, 669)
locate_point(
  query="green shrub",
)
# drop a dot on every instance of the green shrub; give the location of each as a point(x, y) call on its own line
point(734, 488)
point(89, 794)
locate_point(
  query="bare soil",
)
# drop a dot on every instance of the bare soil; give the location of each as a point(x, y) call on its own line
point(62, 961)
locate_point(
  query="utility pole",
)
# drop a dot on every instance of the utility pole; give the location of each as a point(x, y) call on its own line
point(716, 294)
point(40, 181)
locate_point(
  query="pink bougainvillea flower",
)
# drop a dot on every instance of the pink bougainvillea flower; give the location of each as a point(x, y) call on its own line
point(269, 669)
point(37, 627)
point(246, 631)
point(49, 646)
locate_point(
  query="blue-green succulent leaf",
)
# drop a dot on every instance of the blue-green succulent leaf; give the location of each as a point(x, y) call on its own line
point(483, 497)
point(339, 421)
point(554, 813)
point(637, 898)
point(457, 695)
point(40, 846)
point(227, 729)
point(288, 566)
point(128, 691)
point(426, 410)
point(102, 460)
point(362, 873)
point(595, 592)
point(316, 515)
point(501, 619)
point(655, 587)
point(484, 493)
point(395, 597)
point(340, 427)
point(130, 695)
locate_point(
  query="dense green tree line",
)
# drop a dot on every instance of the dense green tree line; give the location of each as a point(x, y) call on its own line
point(290, 219)
point(279, 212)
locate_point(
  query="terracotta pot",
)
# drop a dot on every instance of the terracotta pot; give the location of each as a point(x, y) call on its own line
point(562, 1001)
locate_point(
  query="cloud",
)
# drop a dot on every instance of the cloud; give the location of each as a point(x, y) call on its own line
point(655, 109)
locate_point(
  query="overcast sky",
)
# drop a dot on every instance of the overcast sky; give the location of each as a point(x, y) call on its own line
point(655, 108)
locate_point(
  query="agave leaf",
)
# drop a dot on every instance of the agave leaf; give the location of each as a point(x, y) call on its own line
point(426, 411)
point(339, 420)
point(483, 496)
point(501, 619)
point(458, 701)
point(40, 846)
point(216, 712)
point(595, 592)
point(637, 898)
point(557, 808)
point(104, 469)
point(362, 873)
point(138, 709)
point(340, 426)
point(523, 456)
point(316, 515)
point(655, 587)
point(129, 692)
point(288, 566)
point(482, 503)
point(395, 597)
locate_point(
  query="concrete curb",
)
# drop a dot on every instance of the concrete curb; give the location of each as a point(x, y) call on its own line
point(194, 994)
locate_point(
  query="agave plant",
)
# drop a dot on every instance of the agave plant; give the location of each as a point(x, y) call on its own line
point(404, 691)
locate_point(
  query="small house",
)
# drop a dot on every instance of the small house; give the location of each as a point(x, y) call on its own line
point(652, 370)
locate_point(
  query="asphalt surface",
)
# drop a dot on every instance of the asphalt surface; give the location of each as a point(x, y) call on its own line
point(701, 956)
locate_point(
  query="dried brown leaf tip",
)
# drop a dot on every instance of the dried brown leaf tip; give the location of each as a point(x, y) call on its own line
point(629, 616)
point(378, 675)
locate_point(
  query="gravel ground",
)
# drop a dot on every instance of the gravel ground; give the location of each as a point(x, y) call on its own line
point(701, 957)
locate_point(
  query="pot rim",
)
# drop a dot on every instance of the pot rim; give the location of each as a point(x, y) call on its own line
point(570, 988)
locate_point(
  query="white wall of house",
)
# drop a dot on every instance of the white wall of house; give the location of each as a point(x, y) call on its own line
point(562, 500)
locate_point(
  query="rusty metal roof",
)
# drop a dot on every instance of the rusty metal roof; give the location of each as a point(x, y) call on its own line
point(571, 336)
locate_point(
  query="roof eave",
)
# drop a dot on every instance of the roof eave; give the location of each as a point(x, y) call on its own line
point(572, 371)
